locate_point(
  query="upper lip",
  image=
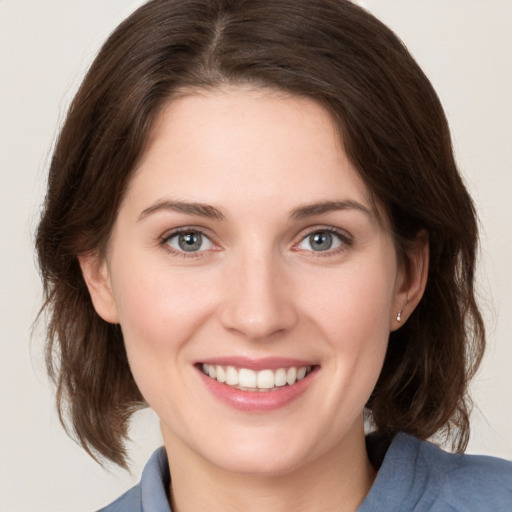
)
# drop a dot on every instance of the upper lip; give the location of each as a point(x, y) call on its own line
point(265, 363)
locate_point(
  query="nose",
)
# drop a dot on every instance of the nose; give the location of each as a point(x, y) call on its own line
point(258, 302)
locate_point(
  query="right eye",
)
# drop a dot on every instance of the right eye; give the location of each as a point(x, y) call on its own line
point(189, 241)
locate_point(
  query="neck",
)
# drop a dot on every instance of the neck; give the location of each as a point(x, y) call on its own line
point(337, 481)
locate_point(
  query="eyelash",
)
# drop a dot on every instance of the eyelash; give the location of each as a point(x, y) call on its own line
point(345, 239)
point(164, 242)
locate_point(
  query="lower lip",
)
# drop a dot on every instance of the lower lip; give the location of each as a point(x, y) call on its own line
point(258, 401)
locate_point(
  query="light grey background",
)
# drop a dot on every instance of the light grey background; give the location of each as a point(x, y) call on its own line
point(465, 47)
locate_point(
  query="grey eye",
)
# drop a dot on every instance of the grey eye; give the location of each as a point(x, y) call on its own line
point(322, 240)
point(190, 241)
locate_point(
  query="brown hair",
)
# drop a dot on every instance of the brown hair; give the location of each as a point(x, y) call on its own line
point(393, 130)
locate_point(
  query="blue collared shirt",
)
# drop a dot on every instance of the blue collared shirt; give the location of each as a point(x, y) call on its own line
point(415, 476)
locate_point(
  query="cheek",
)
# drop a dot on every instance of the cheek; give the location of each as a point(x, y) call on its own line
point(352, 311)
point(354, 305)
point(159, 310)
point(159, 314)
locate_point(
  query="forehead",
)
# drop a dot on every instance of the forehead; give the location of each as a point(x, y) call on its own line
point(262, 146)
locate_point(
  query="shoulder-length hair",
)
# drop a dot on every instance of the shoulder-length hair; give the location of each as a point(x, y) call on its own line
point(392, 127)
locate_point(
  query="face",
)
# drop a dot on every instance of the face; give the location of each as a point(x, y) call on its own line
point(254, 285)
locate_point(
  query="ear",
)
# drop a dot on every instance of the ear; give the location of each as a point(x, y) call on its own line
point(411, 281)
point(97, 278)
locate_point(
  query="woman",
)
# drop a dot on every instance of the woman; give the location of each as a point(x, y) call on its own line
point(255, 226)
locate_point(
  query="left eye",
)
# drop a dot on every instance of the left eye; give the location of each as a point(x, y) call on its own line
point(189, 241)
point(319, 241)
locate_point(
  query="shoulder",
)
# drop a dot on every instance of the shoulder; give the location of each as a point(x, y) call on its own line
point(130, 501)
point(418, 476)
point(469, 482)
point(150, 494)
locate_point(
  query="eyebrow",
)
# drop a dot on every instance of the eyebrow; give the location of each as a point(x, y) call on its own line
point(311, 210)
point(211, 212)
point(199, 209)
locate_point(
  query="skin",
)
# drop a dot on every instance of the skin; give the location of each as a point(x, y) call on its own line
point(255, 289)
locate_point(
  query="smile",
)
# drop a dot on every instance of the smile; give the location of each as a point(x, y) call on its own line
point(245, 379)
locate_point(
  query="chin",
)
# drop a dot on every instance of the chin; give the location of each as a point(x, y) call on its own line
point(270, 455)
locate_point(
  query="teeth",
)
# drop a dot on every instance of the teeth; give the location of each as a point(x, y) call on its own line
point(246, 378)
point(221, 374)
point(280, 377)
point(250, 380)
point(266, 379)
point(231, 376)
point(291, 376)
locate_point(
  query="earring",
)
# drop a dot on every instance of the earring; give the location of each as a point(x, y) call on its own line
point(399, 316)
